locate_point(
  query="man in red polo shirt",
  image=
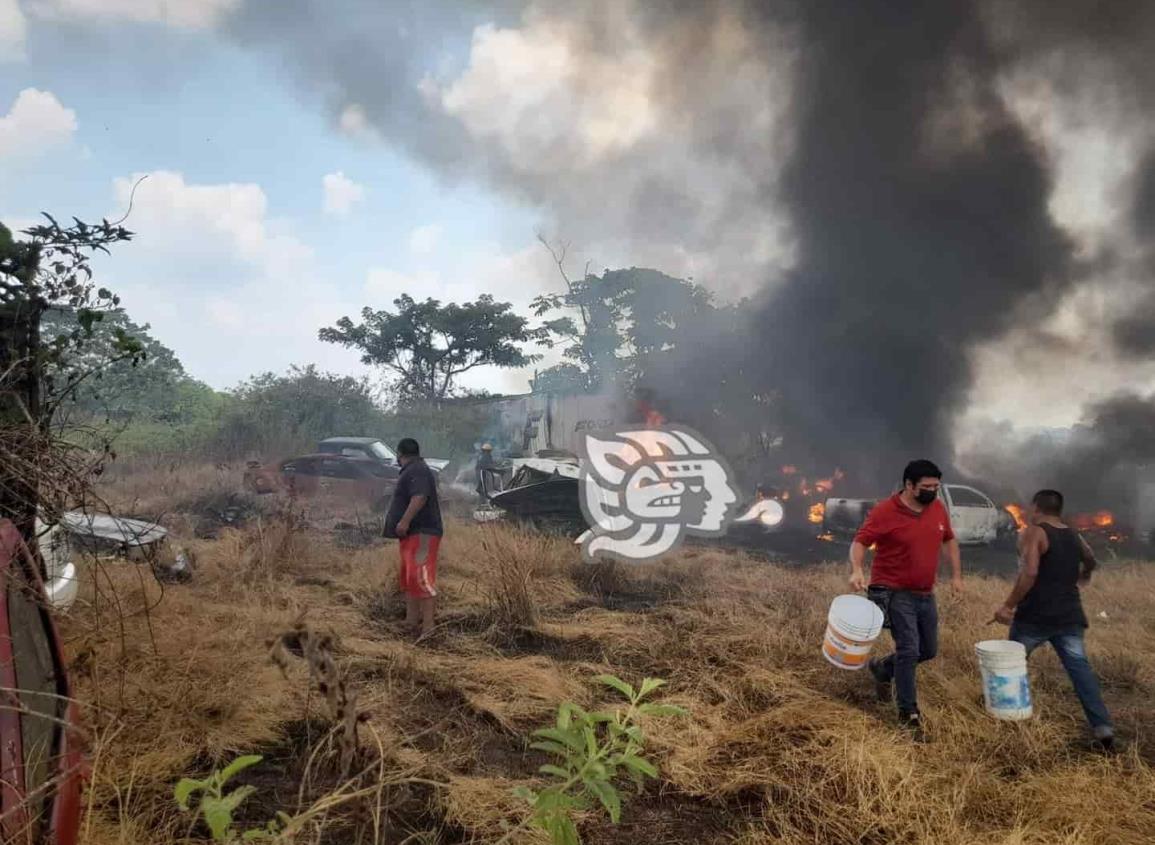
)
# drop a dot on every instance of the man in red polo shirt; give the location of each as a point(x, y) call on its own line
point(909, 531)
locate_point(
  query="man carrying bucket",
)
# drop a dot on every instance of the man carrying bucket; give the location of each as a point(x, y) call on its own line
point(1045, 606)
point(909, 531)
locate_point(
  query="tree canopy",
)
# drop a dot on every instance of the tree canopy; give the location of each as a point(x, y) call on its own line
point(614, 325)
point(151, 385)
point(428, 346)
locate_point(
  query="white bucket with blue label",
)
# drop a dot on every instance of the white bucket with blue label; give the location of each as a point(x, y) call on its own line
point(1006, 687)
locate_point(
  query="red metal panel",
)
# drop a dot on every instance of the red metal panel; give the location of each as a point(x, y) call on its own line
point(13, 818)
point(64, 815)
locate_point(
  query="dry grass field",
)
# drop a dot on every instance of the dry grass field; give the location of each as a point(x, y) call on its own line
point(778, 747)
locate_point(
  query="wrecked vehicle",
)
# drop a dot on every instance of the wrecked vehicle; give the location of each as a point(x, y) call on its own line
point(358, 469)
point(541, 491)
point(98, 534)
point(975, 518)
point(39, 728)
point(136, 540)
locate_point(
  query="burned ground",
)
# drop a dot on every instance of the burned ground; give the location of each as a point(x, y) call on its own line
point(779, 747)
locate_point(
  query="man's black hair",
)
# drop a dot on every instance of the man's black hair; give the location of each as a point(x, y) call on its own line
point(917, 470)
point(1049, 502)
point(408, 448)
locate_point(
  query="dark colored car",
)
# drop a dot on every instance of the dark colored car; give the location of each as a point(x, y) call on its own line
point(41, 766)
point(370, 449)
point(358, 469)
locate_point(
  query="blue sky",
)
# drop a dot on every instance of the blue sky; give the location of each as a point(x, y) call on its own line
point(225, 136)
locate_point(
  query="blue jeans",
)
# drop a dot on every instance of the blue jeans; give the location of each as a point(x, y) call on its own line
point(914, 626)
point(1068, 644)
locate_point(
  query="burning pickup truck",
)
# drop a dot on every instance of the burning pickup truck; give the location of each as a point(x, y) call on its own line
point(361, 469)
point(976, 519)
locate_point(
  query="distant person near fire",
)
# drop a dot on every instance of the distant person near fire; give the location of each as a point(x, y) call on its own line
point(414, 518)
point(1045, 606)
point(909, 532)
point(485, 466)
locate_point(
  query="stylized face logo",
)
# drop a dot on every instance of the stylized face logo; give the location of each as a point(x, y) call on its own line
point(644, 490)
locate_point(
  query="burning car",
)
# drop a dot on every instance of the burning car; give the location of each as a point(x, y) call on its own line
point(359, 469)
point(976, 520)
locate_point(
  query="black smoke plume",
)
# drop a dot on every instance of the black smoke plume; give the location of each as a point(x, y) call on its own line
point(878, 135)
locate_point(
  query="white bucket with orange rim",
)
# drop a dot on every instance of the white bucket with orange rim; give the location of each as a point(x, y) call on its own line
point(853, 625)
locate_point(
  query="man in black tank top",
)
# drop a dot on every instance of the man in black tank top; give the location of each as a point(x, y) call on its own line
point(1045, 606)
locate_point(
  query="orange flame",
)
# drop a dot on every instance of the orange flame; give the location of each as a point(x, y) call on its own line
point(654, 418)
point(825, 485)
point(789, 469)
point(1099, 519)
point(817, 512)
point(1017, 512)
point(829, 538)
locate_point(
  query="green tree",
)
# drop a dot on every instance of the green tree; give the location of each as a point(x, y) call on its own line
point(273, 412)
point(614, 326)
point(428, 346)
point(152, 386)
point(49, 268)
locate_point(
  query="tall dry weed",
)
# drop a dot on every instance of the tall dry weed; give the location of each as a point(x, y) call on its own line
point(509, 561)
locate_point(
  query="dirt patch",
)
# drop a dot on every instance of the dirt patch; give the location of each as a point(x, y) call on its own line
point(672, 819)
point(214, 511)
point(410, 810)
point(580, 649)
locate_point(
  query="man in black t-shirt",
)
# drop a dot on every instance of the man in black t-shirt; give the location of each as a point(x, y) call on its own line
point(414, 518)
point(1045, 606)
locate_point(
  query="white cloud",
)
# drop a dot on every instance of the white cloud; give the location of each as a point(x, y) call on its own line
point(187, 14)
point(36, 122)
point(355, 123)
point(424, 239)
point(225, 313)
point(527, 89)
point(587, 126)
point(341, 193)
point(13, 30)
point(231, 289)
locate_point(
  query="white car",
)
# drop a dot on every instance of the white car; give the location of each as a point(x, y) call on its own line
point(61, 584)
point(973, 515)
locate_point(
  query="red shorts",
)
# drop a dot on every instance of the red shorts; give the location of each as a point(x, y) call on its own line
point(419, 565)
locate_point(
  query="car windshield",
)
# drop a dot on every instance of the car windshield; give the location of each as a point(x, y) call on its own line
point(382, 451)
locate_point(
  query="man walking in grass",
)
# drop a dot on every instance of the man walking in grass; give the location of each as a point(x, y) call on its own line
point(414, 518)
point(1045, 605)
point(909, 531)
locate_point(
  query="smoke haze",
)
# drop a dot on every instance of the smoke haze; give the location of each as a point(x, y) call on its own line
point(895, 183)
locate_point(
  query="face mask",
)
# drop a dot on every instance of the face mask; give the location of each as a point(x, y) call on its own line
point(925, 497)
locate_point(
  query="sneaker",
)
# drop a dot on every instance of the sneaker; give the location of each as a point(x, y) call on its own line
point(912, 724)
point(1104, 740)
point(882, 688)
